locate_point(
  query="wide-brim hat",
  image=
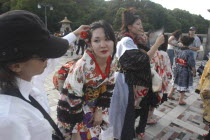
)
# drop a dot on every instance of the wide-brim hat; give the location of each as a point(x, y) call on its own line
point(23, 35)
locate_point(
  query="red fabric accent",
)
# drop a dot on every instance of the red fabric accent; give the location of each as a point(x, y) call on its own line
point(108, 62)
point(181, 62)
point(62, 71)
point(128, 34)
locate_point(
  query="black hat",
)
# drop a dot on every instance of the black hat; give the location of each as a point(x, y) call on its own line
point(192, 28)
point(23, 34)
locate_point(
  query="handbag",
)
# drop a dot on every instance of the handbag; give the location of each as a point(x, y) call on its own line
point(16, 93)
point(156, 81)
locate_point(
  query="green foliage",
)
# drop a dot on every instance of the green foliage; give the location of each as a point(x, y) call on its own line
point(118, 19)
point(153, 15)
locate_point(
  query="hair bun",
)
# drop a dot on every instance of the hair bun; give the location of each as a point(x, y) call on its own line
point(129, 17)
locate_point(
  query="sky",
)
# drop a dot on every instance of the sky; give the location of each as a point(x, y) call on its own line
point(193, 6)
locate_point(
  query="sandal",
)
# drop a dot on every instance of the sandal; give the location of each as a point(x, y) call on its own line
point(151, 122)
point(171, 98)
point(140, 136)
point(182, 103)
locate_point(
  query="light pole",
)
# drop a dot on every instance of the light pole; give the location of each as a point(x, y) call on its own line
point(208, 38)
point(45, 5)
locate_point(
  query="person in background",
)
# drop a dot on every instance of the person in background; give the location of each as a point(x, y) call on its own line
point(195, 46)
point(172, 44)
point(184, 70)
point(85, 98)
point(204, 90)
point(133, 79)
point(66, 31)
point(81, 44)
point(162, 66)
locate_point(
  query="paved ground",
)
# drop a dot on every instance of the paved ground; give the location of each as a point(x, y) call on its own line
point(175, 122)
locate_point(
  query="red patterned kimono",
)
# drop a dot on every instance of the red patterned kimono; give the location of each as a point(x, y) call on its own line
point(85, 88)
point(162, 65)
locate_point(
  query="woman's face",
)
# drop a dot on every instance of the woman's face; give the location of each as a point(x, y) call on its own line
point(101, 46)
point(141, 39)
point(26, 70)
point(136, 28)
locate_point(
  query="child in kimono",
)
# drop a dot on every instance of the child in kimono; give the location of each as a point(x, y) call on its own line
point(184, 69)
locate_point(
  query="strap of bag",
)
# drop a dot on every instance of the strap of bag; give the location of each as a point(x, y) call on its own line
point(35, 104)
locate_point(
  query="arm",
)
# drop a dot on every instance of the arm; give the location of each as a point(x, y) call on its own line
point(159, 41)
point(51, 63)
point(70, 106)
point(196, 44)
point(168, 66)
point(71, 37)
point(191, 62)
point(194, 48)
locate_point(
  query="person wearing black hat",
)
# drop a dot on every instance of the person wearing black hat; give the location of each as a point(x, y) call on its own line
point(195, 46)
point(25, 47)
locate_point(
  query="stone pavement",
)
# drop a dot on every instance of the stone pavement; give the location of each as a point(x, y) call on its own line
point(175, 122)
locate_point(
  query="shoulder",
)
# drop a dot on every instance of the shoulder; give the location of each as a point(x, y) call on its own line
point(5, 105)
point(10, 121)
point(14, 106)
point(171, 37)
point(196, 38)
point(125, 40)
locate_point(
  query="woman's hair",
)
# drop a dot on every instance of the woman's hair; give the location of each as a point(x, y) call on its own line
point(109, 32)
point(187, 40)
point(164, 46)
point(7, 77)
point(128, 18)
point(177, 34)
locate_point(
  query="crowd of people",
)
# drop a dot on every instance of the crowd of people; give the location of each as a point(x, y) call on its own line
point(114, 81)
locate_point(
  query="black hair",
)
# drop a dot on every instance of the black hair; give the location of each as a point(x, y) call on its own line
point(164, 46)
point(177, 34)
point(109, 32)
point(187, 40)
point(7, 77)
point(128, 18)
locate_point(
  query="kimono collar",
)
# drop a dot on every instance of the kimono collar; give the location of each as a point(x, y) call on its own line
point(129, 35)
point(108, 62)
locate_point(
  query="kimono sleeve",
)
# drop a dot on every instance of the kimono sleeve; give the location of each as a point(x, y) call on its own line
point(167, 65)
point(134, 60)
point(190, 60)
point(70, 106)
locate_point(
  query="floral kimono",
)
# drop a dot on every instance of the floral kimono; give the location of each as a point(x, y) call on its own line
point(163, 67)
point(85, 89)
point(204, 89)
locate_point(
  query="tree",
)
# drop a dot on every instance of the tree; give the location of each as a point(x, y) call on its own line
point(153, 15)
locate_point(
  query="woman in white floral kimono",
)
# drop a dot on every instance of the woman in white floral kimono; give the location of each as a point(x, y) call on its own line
point(85, 97)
